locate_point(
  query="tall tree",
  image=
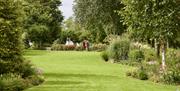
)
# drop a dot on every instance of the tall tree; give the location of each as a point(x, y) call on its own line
point(10, 36)
point(99, 17)
point(155, 19)
point(43, 17)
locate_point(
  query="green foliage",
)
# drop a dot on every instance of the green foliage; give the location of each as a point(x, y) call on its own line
point(99, 17)
point(43, 20)
point(57, 47)
point(71, 25)
point(136, 55)
point(153, 71)
point(143, 75)
point(10, 35)
point(73, 35)
point(139, 73)
point(28, 69)
point(69, 47)
point(119, 49)
point(150, 55)
point(35, 80)
point(98, 47)
point(172, 74)
point(105, 56)
point(14, 69)
point(79, 48)
point(152, 19)
point(10, 82)
point(38, 34)
point(62, 47)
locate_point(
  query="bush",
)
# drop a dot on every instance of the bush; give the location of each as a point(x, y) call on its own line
point(119, 49)
point(69, 47)
point(98, 47)
point(35, 80)
point(62, 47)
point(28, 69)
point(79, 48)
point(139, 73)
point(150, 55)
point(11, 82)
point(136, 55)
point(105, 56)
point(143, 75)
point(172, 73)
point(57, 47)
point(132, 73)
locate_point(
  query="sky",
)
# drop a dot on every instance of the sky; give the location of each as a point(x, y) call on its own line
point(66, 8)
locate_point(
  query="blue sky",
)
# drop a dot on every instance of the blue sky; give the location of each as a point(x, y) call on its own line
point(67, 8)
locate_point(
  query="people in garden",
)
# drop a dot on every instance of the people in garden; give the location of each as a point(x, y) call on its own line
point(86, 44)
point(69, 42)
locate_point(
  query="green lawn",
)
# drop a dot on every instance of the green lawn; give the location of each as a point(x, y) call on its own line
point(86, 71)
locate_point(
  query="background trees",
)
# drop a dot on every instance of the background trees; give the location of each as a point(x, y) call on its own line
point(152, 19)
point(99, 17)
point(43, 20)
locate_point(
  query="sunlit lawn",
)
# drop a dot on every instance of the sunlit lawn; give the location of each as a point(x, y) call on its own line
point(86, 71)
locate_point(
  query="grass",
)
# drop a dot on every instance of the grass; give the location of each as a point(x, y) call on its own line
point(86, 71)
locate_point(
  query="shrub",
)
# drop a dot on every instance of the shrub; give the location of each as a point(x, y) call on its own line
point(10, 36)
point(132, 73)
point(11, 82)
point(57, 41)
point(129, 73)
point(136, 55)
point(172, 73)
point(154, 72)
point(105, 56)
point(35, 80)
point(62, 47)
point(139, 73)
point(11, 58)
point(57, 47)
point(119, 49)
point(69, 47)
point(171, 54)
point(79, 48)
point(98, 47)
point(150, 55)
point(143, 75)
point(28, 69)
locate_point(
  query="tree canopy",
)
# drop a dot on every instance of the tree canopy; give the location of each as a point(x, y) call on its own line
point(154, 19)
point(43, 21)
point(99, 17)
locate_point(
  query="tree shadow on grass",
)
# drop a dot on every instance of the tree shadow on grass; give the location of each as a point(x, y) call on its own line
point(64, 82)
point(82, 82)
point(34, 52)
point(61, 75)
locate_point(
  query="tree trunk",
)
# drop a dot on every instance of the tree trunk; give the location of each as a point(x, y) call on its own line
point(157, 48)
point(163, 56)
